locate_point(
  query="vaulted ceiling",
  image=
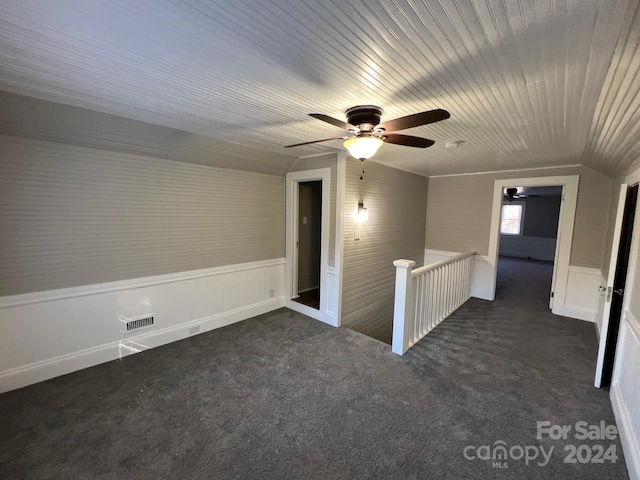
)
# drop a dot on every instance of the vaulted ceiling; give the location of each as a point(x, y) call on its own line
point(529, 83)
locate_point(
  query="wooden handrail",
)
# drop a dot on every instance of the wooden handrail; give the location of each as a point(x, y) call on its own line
point(433, 266)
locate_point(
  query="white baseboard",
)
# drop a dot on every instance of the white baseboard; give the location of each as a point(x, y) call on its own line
point(629, 443)
point(54, 367)
point(54, 334)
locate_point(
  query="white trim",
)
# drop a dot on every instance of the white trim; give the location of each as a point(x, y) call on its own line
point(633, 256)
point(72, 292)
point(313, 155)
point(629, 326)
point(63, 364)
point(633, 178)
point(341, 188)
point(506, 171)
point(630, 446)
point(291, 259)
point(565, 230)
point(633, 324)
point(585, 270)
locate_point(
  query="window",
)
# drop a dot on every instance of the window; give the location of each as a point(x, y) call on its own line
point(511, 222)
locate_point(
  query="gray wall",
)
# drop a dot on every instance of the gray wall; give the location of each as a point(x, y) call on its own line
point(325, 161)
point(41, 120)
point(309, 235)
point(75, 216)
point(396, 202)
point(541, 217)
point(459, 212)
point(613, 210)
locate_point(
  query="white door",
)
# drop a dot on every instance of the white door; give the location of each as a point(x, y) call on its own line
point(612, 273)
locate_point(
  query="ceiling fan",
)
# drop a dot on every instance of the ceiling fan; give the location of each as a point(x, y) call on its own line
point(366, 134)
point(512, 194)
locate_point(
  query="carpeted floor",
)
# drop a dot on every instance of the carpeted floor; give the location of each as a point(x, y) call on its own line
point(282, 396)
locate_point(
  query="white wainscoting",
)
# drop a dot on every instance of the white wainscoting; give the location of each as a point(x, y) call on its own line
point(47, 334)
point(536, 248)
point(582, 296)
point(625, 391)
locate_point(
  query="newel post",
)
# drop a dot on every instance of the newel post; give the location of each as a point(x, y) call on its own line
point(400, 342)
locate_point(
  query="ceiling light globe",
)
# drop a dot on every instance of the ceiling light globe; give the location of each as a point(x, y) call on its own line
point(362, 148)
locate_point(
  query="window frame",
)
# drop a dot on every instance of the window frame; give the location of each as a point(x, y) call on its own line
point(522, 204)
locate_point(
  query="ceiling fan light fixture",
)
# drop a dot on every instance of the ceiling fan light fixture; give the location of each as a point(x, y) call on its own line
point(362, 148)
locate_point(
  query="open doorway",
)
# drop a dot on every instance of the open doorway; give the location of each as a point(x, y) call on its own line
point(294, 221)
point(309, 243)
point(528, 241)
point(560, 279)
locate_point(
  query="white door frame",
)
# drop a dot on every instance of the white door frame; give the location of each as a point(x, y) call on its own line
point(564, 239)
point(291, 261)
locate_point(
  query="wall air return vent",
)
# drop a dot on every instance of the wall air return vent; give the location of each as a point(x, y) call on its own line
point(134, 324)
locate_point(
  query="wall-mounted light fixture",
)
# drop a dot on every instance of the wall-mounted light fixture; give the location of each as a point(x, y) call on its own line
point(363, 214)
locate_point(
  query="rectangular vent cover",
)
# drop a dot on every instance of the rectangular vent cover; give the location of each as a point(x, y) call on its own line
point(139, 323)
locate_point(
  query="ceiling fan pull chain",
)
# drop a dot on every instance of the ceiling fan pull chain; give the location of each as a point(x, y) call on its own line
point(362, 175)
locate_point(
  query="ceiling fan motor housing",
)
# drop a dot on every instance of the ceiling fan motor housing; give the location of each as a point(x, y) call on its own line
point(365, 117)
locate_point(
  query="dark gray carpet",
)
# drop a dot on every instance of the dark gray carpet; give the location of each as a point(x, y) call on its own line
point(281, 396)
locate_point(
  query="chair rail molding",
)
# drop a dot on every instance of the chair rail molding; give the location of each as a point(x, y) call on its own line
point(47, 334)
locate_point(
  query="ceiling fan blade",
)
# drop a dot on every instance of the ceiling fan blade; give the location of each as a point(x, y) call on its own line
point(415, 120)
point(407, 140)
point(331, 120)
point(315, 141)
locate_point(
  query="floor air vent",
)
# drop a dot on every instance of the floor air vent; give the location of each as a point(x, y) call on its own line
point(139, 323)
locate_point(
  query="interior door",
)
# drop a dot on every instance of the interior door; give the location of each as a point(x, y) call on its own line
point(614, 300)
point(555, 258)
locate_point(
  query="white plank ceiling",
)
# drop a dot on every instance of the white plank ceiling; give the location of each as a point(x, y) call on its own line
point(529, 83)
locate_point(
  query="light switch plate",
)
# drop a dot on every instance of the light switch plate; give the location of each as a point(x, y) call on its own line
point(356, 234)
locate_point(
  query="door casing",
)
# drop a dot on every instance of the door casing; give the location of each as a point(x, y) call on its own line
point(564, 239)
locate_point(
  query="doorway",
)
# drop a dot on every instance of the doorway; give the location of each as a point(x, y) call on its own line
point(528, 239)
point(614, 300)
point(569, 184)
point(309, 243)
point(327, 292)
